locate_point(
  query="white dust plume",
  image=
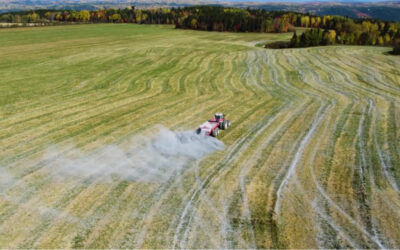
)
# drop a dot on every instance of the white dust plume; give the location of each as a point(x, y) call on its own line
point(153, 159)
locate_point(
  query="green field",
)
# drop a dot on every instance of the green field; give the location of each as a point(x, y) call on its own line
point(312, 158)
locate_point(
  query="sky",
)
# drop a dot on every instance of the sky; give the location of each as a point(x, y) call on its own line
point(301, 1)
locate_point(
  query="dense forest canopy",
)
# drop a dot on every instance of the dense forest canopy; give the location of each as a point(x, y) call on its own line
point(339, 30)
point(348, 31)
point(214, 18)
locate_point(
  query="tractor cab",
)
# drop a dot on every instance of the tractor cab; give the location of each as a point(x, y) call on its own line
point(219, 116)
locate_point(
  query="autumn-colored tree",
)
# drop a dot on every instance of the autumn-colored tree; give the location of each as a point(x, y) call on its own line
point(325, 19)
point(48, 15)
point(380, 41)
point(116, 18)
point(317, 23)
point(33, 17)
point(84, 16)
point(193, 23)
point(138, 16)
point(330, 37)
point(387, 38)
point(305, 21)
point(59, 17)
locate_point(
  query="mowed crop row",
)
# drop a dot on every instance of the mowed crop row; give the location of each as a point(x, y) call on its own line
point(311, 160)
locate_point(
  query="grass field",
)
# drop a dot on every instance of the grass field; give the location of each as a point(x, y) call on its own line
point(312, 158)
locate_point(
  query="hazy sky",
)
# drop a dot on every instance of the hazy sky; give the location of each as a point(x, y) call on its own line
point(300, 1)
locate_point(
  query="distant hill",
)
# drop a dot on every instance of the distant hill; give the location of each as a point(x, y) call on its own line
point(384, 10)
point(388, 11)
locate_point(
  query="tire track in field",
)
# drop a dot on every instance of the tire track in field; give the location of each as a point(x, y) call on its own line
point(97, 107)
point(282, 103)
point(47, 161)
point(249, 162)
point(363, 169)
point(204, 106)
point(371, 80)
point(373, 72)
point(292, 168)
point(246, 213)
point(314, 203)
point(318, 64)
point(292, 118)
point(286, 90)
point(294, 67)
point(142, 73)
point(374, 178)
point(385, 161)
point(326, 197)
point(80, 93)
point(351, 80)
point(316, 183)
point(125, 112)
point(239, 146)
point(143, 99)
point(157, 199)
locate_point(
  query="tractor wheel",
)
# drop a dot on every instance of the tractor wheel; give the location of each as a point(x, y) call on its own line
point(215, 132)
point(225, 125)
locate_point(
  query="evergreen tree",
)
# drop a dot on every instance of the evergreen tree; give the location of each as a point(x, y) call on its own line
point(295, 41)
point(396, 47)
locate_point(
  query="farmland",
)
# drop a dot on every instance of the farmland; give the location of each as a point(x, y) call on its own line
point(312, 158)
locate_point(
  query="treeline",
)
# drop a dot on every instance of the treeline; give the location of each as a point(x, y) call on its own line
point(347, 31)
point(339, 30)
point(214, 18)
point(325, 30)
point(126, 15)
point(211, 18)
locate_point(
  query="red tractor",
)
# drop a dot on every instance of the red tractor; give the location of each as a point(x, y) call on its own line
point(212, 126)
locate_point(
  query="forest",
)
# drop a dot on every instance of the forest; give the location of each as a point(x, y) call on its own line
point(210, 18)
point(340, 30)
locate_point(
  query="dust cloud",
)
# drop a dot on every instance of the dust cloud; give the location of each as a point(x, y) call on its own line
point(147, 159)
point(151, 159)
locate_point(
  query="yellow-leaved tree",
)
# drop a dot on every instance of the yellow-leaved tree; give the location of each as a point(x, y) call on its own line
point(84, 15)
